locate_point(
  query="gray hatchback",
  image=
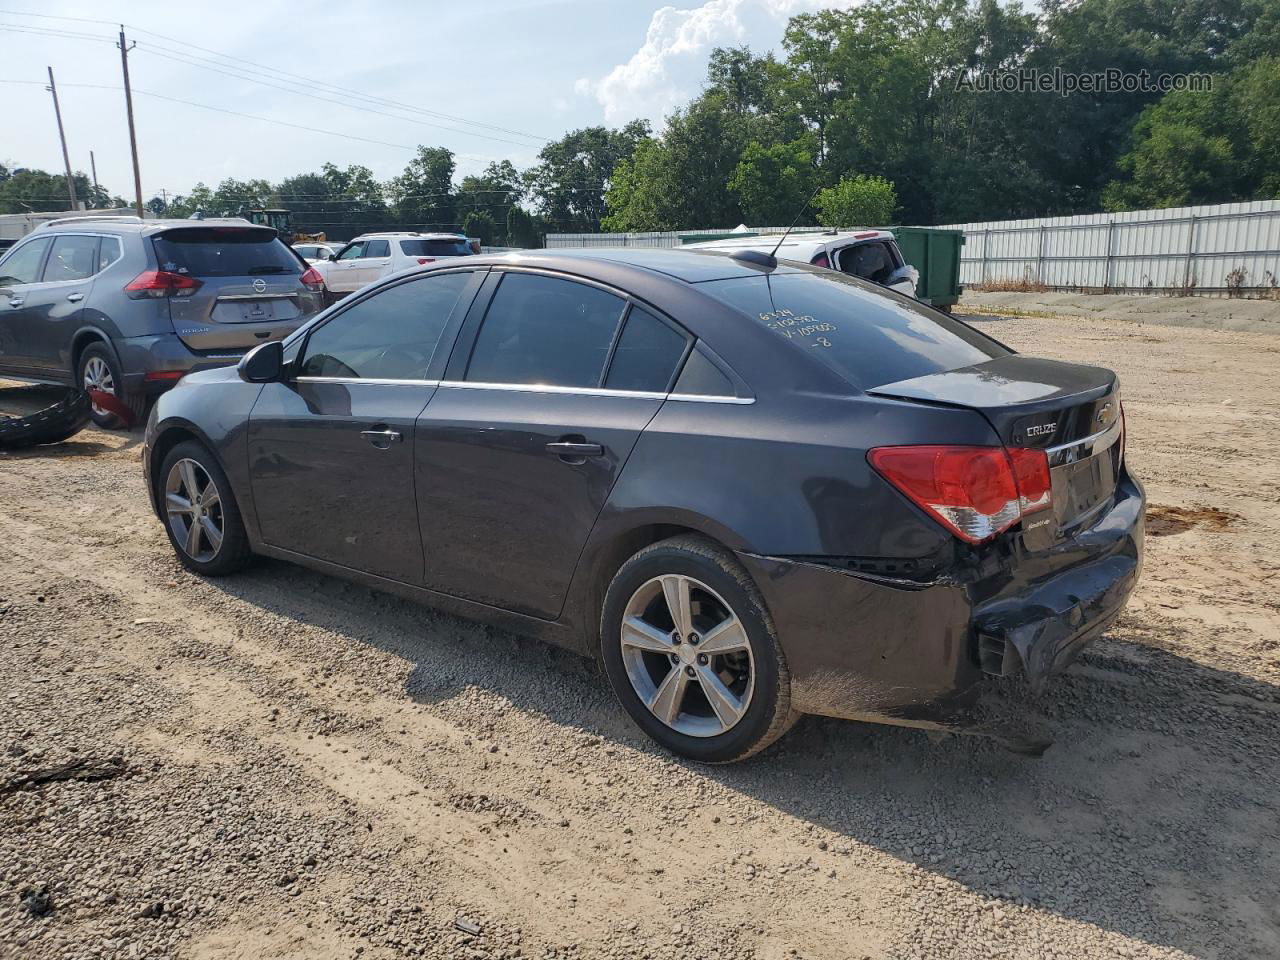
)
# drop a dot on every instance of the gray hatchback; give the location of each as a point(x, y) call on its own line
point(128, 306)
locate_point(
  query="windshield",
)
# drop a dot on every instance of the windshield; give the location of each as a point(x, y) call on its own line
point(224, 252)
point(870, 338)
point(435, 248)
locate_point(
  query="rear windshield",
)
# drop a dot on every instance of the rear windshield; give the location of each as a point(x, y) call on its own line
point(225, 252)
point(435, 248)
point(870, 338)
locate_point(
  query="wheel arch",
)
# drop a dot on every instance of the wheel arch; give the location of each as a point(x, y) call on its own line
point(615, 541)
point(168, 435)
point(81, 340)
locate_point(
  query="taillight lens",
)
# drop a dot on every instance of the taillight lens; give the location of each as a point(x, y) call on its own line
point(975, 492)
point(426, 260)
point(312, 280)
point(161, 283)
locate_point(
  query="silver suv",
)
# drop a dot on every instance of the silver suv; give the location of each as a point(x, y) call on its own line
point(127, 306)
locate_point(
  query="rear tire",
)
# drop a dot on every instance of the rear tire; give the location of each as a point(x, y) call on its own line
point(97, 369)
point(193, 492)
point(721, 691)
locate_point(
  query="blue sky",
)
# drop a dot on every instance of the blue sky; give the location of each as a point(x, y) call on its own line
point(538, 67)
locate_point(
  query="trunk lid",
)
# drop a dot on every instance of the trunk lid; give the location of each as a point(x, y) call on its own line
point(1070, 411)
point(250, 286)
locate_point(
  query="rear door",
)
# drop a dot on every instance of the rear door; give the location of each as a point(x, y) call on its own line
point(517, 451)
point(331, 450)
point(55, 306)
point(249, 286)
point(376, 261)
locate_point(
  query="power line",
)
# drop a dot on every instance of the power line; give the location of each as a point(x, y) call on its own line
point(268, 70)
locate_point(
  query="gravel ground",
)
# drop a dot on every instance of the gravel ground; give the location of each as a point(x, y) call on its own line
point(290, 766)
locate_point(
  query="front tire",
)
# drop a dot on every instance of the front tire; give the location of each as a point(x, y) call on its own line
point(202, 518)
point(691, 652)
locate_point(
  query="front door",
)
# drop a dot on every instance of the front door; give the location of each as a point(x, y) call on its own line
point(375, 261)
point(331, 450)
point(19, 277)
point(518, 452)
point(344, 273)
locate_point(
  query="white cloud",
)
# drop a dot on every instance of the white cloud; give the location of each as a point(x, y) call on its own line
point(670, 65)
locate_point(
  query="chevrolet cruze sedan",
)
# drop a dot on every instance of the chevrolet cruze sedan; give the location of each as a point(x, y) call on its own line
point(754, 489)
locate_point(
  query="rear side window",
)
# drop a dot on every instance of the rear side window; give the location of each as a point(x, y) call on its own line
point(224, 252)
point(391, 335)
point(647, 354)
point(542, 330)
point(870, 261)
point(23, 263)
point(108, 252)
point(377, 248)
point(702, 378)
point(868, 337)
point(435, 248)
point(73, 258)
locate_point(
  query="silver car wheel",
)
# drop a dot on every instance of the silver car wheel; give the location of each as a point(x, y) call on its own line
point(687, 656)
point(97, 376)
point(194, 508)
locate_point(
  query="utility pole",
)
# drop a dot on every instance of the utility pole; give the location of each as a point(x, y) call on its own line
point(128, 103)
point(94, 167)
point(66, 157)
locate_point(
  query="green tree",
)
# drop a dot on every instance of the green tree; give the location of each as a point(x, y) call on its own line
point(491, 193)
point(773, 183)
point(522, 229)
point(478, 224)
point(25, 190)
point(569, 182)
point(859, 201)
point(423, 195)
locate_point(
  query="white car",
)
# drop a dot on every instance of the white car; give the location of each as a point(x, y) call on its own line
point(373, 256)
point(316, 252)
point(870, 254)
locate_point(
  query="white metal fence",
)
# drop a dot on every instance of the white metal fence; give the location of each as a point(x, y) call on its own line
point(1211, 250)
point(1208, 250)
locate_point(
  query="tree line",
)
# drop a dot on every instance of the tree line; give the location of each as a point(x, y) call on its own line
point(867, 116)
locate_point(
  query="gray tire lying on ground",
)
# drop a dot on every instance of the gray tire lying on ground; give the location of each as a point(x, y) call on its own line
point(53, 424)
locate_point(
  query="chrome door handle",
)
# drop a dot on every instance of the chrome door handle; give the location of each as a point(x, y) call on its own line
point(576, 451)
point(16, 301)
point(75, 297)
point(382, 439)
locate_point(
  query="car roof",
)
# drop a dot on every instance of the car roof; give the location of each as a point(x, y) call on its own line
point(411, 235)
point(799, 245)
point(133, 225)
point(680, 263)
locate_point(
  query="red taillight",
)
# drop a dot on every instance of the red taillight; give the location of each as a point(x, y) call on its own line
point(821, 260)
point(163, 375)
point(975, 492)
point(312, 280)
point(426, 260)
point(161, 283)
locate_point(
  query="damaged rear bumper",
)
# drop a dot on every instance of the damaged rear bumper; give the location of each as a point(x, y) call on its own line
point(869, 648)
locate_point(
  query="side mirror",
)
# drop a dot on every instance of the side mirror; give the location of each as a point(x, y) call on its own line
point(263, 364)
point(902, 274)
point(333, 256)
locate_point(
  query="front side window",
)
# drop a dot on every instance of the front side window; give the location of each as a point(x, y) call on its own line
point(73, 258)
point(353, 252)
point(377, 248)
point(543, 330)
point(391, 335)
point(647, 354)
point(870, 261)
point(22, 265)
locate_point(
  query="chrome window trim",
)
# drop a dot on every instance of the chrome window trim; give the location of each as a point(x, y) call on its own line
point(1084, 448)
point(258, 296)
point(534, 388)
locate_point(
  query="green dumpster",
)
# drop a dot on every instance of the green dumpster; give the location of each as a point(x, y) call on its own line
point(936, 254)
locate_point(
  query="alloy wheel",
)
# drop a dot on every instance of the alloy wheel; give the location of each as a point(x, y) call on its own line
point(97, 376)
point(687, 656)
point(194, 510)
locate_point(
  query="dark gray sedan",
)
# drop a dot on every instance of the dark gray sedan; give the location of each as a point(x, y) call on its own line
point(753, 489)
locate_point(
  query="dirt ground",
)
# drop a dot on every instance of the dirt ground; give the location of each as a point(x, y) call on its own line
point(294, 767)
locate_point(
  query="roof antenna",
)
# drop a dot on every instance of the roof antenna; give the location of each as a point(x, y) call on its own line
point(770, 260)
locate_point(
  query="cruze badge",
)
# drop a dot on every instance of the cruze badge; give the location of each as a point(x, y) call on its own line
point(1042, 429)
